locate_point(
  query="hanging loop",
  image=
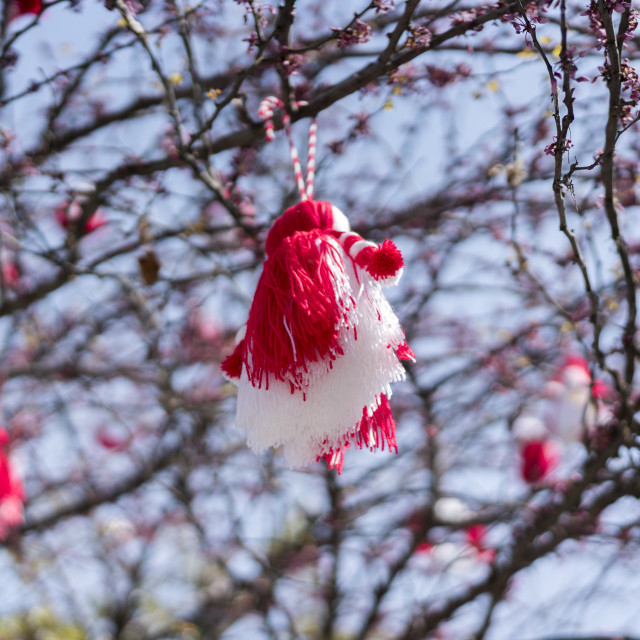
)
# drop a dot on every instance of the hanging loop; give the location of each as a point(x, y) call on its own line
point(265, 113)
point(311, 158)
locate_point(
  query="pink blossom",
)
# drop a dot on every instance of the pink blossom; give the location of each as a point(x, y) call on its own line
point(201, 338)
point(466, 17)
point(557, 147)
point(382, 6)
point(291, 63)
point(440, 77)
point(360, 32)
point(111, 439)
point(419, 37)
point(252, 40)
point(10, 275)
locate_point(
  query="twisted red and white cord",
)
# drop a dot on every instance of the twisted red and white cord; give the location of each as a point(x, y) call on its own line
point(265, 113)
point(311, 158)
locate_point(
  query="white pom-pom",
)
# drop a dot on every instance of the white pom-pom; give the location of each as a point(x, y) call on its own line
point(528, 428)
point(451, 510)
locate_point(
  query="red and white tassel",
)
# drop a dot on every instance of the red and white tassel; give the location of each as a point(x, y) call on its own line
point(538, 453)
point(322, 344)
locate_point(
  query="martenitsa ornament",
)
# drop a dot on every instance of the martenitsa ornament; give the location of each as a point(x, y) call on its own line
point(315, 361)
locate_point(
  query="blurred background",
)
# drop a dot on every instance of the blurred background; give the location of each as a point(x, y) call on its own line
point(496, 144)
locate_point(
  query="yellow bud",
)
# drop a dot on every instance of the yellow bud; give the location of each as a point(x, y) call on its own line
point(545, 39)
point(189, 630)
point(121, 23)
point(194, 227)
point(388, 105)
point(228, 390)
point(556, 51)
point(175, 78)
point(526, 53)
point(493, 85)
point(495, 170)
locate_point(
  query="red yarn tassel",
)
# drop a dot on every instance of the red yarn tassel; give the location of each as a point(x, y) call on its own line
point(372, 433)
point(405, 352)
point(232, 365)
point(295, 317)
point(318, 325)
point(375, 429)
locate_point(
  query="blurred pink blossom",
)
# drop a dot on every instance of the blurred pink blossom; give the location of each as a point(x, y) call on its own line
point(10, 275)
point(112, 439)
point(201, 338)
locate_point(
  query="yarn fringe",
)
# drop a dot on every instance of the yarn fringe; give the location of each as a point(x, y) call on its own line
point(296, 316)
point(405, 352)
point(231, 366)
point(373, 431)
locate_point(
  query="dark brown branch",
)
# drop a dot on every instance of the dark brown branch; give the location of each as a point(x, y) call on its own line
point(614, 85)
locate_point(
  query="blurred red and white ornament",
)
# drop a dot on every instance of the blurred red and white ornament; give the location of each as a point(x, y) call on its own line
point(537, 459)
point(68, 213)
point(322, 344)
point(576, 402)
point(464, 551)
point(538, 453)
point(527, 428)
point(17, 8)
point(459, 555)
point(11, 491)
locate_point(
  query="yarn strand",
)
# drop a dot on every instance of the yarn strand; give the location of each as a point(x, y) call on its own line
point(311, 158)
point(265, 113)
